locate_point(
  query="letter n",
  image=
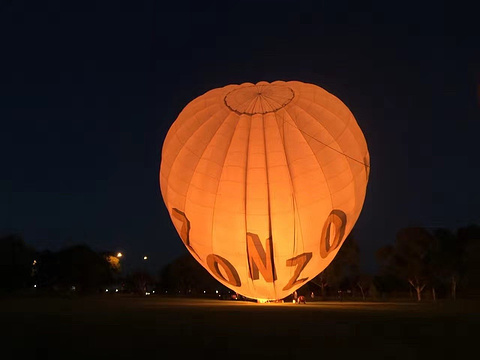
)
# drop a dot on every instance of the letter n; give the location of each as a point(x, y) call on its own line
point(260, 260)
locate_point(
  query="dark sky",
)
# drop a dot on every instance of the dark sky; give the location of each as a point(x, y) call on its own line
point(88, 91)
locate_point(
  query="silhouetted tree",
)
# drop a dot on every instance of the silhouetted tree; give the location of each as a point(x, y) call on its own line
point(187, 276)
point(348, 263)
point(322, 280)
point(47, 269)
point(364, 282)
point(388, 283)
point(16, 262)
point(343, 270)
point(77, 266)
point(469, 238)
point(140, 282)
point(409, 258)
point(448, 259)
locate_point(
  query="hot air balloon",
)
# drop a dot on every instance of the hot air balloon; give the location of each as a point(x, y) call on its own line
point(263, 182)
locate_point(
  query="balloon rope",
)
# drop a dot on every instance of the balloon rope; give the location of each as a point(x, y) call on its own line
point(321, 142)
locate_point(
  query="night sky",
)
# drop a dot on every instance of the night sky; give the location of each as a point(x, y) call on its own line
point(88, 91)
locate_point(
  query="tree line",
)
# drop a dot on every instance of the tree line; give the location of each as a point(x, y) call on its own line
point(420, 264)
point(433, 263)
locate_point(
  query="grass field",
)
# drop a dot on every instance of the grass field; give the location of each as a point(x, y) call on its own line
point(126, 327)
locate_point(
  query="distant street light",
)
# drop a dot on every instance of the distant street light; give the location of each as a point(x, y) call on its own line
point(119, 254)
point(145, 258)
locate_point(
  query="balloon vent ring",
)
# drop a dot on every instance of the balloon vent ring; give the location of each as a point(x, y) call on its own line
point(258, 99)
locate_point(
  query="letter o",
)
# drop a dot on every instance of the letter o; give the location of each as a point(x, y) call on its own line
point(213, 262)
point(337, 219)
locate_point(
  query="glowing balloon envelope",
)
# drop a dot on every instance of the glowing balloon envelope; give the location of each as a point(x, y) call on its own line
point(263, 182)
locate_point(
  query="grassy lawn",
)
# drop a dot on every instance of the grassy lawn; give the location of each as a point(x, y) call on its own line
point(162, 328)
